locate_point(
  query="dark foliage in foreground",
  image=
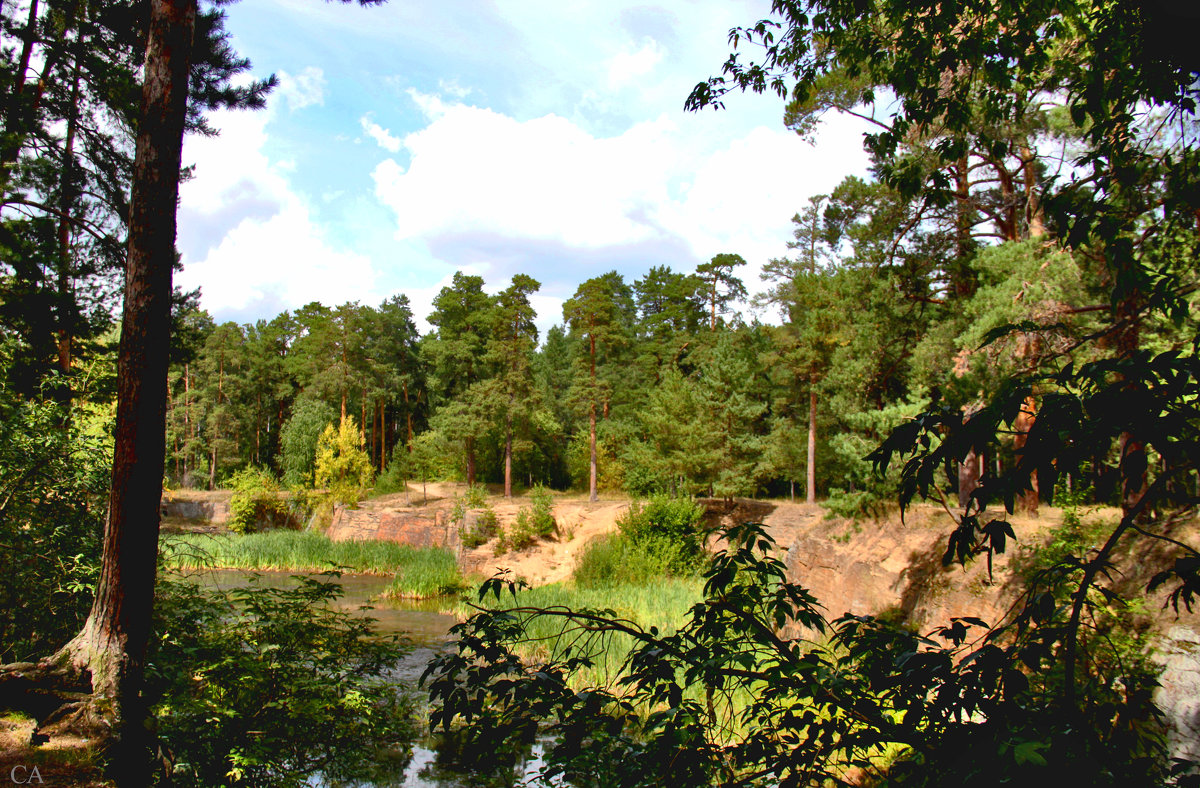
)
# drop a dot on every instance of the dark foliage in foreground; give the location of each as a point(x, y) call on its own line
point(729, 700)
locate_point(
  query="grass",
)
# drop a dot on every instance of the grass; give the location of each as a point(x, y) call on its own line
point(662, 603)
point(420, 572)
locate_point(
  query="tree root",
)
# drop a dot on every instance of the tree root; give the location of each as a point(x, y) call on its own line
point(58, 695)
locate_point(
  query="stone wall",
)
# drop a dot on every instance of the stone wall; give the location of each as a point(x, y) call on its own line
point(898, 571)
point(210, 511)
point(418, 528)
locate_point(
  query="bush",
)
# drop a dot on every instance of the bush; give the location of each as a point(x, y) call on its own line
point(341, 464)
point(274, 686)
point(534, 522)
point(728, 697)
point(53, 495)
point(541, 511)
point(615, 559)
point(395, 478)
point(298, 440)
point(256, 501)
point(474, 529)
point(667, 528)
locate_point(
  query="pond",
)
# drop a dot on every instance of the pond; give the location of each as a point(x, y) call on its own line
point(426, 625)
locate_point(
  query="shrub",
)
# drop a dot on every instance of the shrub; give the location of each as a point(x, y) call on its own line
point(341, 465)
point(53, 495)
point(274, 686)
point(615, 559)
point(541, 511)
point(299, 438)
point(667, 528)
point(477, 522)
point(534, 522)
point(255, 502)
point(395, 478)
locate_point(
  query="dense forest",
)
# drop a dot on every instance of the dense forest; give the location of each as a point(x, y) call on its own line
point(1002, 314)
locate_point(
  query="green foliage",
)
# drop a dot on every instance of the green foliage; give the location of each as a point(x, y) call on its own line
point(395, 478)
point(477, 523)
point(53, 496)
point(268, 686)
point(541, 511)
point(705, 704)
point(610, 470)
point(341, 464)
point(617, 560)
point(424, 574)
point(299, 438)
point(533, 523)
point(484, 527)
point(667, 530)
point(256, 502)
point(307, 551)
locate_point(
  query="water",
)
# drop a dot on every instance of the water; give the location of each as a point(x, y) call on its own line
point(425, 624)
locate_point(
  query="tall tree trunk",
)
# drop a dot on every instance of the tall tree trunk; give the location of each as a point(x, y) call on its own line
point(592, 496)
point(216, 432)
point(961, 278)
point(187, 424)
point(65, 257)
point(1035, 216)
point(470, 445)
point(508, 453)
point(19, 113)
point(810, 495)
point(969, 471)
point(1027, 502)
point(111, 647)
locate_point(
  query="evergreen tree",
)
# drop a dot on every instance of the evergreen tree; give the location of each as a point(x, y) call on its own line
point(599, 314)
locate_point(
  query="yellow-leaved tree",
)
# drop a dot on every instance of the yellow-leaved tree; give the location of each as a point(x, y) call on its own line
point(342, 466)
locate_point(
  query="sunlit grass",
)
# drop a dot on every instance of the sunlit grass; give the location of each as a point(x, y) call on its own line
point(420, 572)
point(662, 603)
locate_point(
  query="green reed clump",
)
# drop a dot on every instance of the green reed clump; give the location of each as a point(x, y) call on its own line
point(661, 602)
point(419, 571)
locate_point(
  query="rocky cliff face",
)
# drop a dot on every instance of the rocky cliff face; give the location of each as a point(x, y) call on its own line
point(415, 527)
point(894, 569)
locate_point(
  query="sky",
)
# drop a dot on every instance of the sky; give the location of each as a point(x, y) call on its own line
point(409, 141)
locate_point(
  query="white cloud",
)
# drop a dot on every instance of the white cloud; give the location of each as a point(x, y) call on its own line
point(304, 89)
point(628, 65)
point(450, 87)
point(476, 170)
point(473, 170)
point(380, 135)
point(248, 239)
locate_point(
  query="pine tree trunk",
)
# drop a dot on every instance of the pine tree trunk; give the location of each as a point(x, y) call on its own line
point(66, 203)
point(810, 495)
point(18, 115)
point(592, 496)
point(1027, 502)
point(111, 647)
point(968, 477)
point(1035, 216)
point(508, 450)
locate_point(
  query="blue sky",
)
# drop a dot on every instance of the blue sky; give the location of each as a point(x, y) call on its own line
point(413, 140)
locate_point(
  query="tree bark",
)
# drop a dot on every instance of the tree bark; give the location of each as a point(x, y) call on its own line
point(111, 647)
point(592, 496)
point(1027, 502)
point(810, 495)
point(508, 453)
